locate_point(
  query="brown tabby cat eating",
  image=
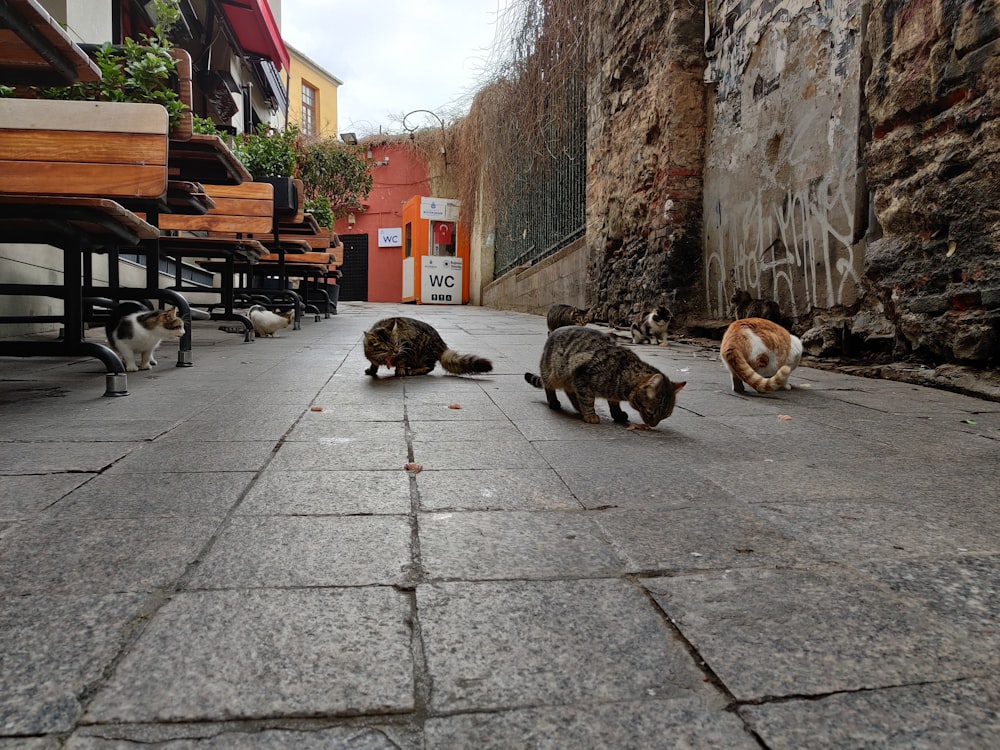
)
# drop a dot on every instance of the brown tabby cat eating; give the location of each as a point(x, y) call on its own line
point(587, 364)
point(760, 353)
point(566, 315)
point(413, 347)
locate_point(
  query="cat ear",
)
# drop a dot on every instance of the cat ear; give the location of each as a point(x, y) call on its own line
point(654, 382)
point(678, 386)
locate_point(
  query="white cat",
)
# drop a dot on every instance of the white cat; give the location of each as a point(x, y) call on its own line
point(267, 323)
point(134, 329)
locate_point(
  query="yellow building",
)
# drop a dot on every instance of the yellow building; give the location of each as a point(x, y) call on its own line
point(312, 96)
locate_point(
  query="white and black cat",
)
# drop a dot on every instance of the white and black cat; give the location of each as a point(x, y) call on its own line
point(652, 326)
point(134, 329)
point(267, 323)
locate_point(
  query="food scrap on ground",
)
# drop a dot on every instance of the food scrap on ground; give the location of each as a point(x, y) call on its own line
point(413, 467)
point(454, 406)
point(642, 426)
point(315, 408)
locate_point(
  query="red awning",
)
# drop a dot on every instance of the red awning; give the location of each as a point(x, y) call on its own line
point(256, 30)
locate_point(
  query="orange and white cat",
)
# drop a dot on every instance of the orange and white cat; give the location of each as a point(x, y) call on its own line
point(760, 353)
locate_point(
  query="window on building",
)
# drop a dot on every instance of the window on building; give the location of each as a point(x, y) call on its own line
point(309, 98)
point(408, 240)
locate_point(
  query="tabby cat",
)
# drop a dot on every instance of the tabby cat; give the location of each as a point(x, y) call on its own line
point(267, 323)
point(760, 353)
point(587, 364)
point(566, 315)
point(135, 329)
point(653, 325)
point(745, 306)
point(413, 347)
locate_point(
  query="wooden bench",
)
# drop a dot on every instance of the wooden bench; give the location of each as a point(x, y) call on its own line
point(67, 167)
point(226, 235)
point(36, 50)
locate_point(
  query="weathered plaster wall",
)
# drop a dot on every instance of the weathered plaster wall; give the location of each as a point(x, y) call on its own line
point(645, 138)
point(934, 168)
point(785, 198)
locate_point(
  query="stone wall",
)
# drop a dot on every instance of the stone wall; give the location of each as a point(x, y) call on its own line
point(934, 168)
point(533, 289)
point(785, 197)
point(839, 156)
point(645, 141)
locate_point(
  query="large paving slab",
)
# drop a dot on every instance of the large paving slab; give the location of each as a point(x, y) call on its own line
point(811, 632)
point(960, 715)
point(533, 643)
point(155, 494)
point(84, 555)
point(27, 496)
point(494, 489)
point(281, 551)
point(337, 492)
point(54, 649)
point(266, 653)
point(514, 544)
point(680, 724)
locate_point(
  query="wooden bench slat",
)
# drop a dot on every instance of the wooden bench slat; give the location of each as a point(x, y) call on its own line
point(84, 147)
point(89, 180)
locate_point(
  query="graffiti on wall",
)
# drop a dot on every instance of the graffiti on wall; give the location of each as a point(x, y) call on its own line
point(783, 179)
point(791, 243)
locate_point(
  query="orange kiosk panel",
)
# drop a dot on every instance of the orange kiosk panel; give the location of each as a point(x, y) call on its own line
point(435, 252)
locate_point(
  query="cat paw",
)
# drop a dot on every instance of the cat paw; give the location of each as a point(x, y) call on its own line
point(591, 419)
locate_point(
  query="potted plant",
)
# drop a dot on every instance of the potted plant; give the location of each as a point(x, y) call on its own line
point(143, 70)
point(270, 156)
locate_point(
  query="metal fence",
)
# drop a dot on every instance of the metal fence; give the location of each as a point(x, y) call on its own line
point(547, 210)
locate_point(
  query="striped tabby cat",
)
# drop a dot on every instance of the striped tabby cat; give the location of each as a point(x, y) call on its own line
point(135, 329)
point(587, 364)
point(566, 315)
point(760, 353)
point(413, 347)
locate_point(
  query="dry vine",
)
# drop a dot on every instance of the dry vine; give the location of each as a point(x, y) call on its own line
point(525, 114)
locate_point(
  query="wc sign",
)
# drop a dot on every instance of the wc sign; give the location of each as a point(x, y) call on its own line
point(440, 280)
point(390, 237)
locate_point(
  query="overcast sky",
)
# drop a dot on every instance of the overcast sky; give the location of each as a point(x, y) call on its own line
point(395, 56)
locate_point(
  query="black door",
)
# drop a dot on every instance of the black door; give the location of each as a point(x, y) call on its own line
point(354, 283)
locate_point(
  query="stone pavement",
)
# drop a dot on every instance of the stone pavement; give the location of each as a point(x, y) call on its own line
point(233, 556)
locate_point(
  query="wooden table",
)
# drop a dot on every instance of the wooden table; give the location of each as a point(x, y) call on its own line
point(36, 50)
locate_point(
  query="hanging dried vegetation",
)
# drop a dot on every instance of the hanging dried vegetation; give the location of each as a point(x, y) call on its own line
point(529, 114)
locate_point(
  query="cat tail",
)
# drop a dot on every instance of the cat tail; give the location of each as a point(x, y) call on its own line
point(533, 379)
point(464, 364)
point(741, 368)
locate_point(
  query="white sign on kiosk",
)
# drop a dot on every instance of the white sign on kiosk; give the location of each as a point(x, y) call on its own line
point(441, 209)
point(440, 280)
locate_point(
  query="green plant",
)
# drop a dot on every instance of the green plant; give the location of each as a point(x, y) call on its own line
point(136, 71)
point(268, 153)
point(6, 91)
point(204, 126)
point(335, 172)
point(321, 211)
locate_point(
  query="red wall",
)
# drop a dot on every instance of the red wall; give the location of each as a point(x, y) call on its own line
point(392, 185)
